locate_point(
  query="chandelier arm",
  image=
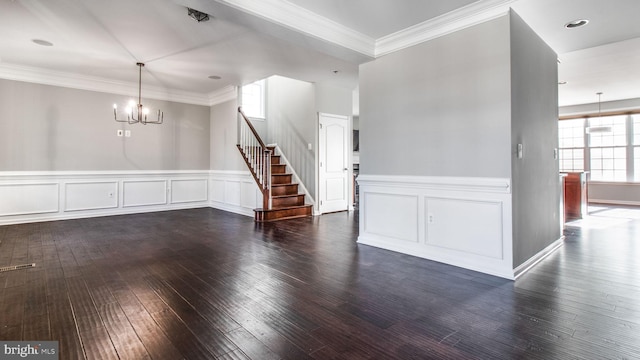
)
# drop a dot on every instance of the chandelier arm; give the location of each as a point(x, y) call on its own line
point(138, 115)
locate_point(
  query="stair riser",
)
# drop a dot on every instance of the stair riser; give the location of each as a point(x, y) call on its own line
point(272, 215)
point(288, 201)
point(290, 189)
point(278, 169)
point(281, 179)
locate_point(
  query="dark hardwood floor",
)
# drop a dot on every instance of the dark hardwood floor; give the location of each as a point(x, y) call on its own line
point(206, 284)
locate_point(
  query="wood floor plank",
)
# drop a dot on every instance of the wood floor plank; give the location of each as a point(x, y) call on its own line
point(206, 284)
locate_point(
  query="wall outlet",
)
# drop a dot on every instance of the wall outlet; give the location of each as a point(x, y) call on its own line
point(127, 133)
point(119, 133)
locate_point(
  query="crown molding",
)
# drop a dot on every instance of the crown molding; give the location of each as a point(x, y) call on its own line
point(464, 17)
point(225, 94)
point(82, 82)
point(302, 20)
point(305, 21)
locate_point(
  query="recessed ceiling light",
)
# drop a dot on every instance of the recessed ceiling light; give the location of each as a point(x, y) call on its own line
point(42, 42)
point(562, 83)
point(576, 23)
point(215, 77)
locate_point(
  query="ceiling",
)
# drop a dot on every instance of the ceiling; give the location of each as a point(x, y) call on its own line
point(99, 42)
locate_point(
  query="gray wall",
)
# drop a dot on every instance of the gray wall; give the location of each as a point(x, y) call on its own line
point(224, 125)
point(440, 108)
point(333, 100)
point(291, 123)
point(48, 128)
point(534, 104)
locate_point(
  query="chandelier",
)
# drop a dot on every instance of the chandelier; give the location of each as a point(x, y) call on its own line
point(136, 113)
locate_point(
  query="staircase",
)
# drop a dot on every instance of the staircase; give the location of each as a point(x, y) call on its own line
point(286, 202)
point(281, 199)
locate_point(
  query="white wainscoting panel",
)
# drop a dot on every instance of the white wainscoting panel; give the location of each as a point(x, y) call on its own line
point(144, 192)
point(234, 191)
point(251, 197)
point(25, 198)
point(382, 219)
point(464, 222)
point(217, 191)
point(472, 226)
point(81, 196)
point(32, 196)
point(189, 190)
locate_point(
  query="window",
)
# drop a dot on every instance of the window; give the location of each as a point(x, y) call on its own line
point(608, 148)
point(636, 161)
point(253, 100)
point(636, 148)
point(571, 137)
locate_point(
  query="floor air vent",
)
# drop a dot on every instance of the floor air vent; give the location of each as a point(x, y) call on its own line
point(17, 267)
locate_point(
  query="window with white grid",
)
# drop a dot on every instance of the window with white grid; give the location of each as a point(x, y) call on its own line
point(608, 148)
point(571, 140)
point(636, 148)
point(636, 163)
point(253, 99)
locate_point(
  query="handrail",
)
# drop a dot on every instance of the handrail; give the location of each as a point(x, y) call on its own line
point(256, 155)
point(253, 130)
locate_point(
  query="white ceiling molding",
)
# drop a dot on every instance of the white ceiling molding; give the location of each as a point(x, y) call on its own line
point(305, 21)
point(223, 95)
point(81, 82)
point(464, 17)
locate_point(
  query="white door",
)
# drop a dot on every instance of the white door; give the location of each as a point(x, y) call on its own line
point(334, 168)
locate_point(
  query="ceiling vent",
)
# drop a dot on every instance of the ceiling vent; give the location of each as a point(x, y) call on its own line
point(197, 15)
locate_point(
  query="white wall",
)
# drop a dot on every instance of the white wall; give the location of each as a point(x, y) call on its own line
point(291, 123)
point(224, 154)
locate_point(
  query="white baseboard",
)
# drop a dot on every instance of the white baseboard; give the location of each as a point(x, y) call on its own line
point(527, 265)
point(614, 202)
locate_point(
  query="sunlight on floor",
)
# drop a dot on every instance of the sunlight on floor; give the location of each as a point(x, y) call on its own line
point(602, 217)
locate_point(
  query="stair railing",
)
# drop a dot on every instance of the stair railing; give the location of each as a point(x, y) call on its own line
point(256, 155)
